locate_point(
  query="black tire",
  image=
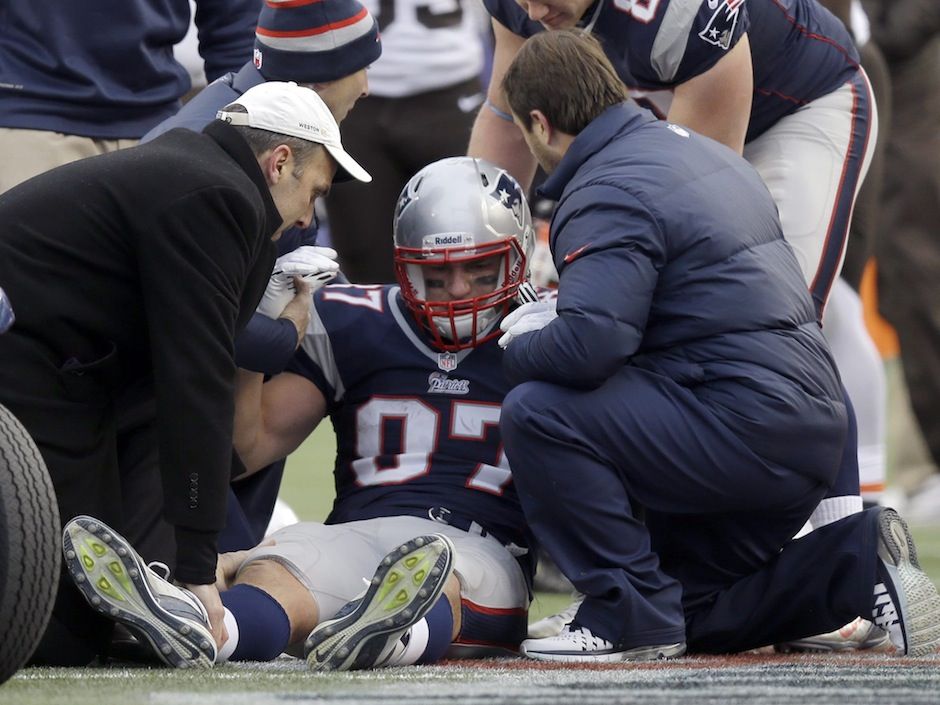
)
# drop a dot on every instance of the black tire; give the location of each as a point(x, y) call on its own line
point(30, 545)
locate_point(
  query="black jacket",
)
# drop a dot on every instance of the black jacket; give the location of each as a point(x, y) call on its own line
point(145, 262)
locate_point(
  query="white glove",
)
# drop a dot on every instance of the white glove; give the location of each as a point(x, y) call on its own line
point(317, 265)
point(527, 318)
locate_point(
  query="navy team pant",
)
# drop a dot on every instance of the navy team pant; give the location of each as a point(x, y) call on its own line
point(706, 566)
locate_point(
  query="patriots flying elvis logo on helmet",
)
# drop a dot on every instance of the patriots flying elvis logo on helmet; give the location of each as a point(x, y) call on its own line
point(507, 192)
point(406, 197)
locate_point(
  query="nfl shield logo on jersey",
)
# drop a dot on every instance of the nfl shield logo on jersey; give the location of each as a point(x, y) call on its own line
point(257, 59)
point(447, 361)
point(720, 28)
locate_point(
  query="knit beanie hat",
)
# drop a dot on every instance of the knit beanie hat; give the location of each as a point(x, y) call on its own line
point(314, 41)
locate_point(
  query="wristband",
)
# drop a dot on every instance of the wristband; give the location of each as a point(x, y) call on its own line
point(502, 114)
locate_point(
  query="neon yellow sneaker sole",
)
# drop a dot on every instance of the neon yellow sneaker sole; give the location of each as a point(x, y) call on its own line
point(116, 583)
point(405, 587)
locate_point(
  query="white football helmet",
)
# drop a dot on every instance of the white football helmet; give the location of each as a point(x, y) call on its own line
point(454, 210)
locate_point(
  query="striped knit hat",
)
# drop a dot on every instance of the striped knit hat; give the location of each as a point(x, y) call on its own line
point(314, 41)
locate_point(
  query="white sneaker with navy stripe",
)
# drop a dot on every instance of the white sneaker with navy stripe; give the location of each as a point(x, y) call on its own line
point(907, 604)
point(115, 581)
point(578, 644)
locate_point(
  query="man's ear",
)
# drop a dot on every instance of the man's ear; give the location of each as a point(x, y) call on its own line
point(275, 163)
point(541, 127)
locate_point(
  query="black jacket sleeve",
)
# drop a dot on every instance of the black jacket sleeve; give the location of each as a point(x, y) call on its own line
point(193, 268)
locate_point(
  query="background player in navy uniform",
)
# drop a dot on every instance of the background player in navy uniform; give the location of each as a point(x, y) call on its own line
point(683, 371)
point(776, 79)
point(411, 378)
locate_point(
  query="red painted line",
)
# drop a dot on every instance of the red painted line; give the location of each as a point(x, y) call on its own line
point(871, 659)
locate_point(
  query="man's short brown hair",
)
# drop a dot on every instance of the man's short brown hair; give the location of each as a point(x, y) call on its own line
point(261, 141)
point(564, 74)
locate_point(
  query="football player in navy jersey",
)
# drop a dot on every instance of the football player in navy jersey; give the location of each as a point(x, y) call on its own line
point(411, 378)
point(776, 80)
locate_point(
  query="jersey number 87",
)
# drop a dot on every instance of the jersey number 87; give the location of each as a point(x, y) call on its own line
point(419, 438)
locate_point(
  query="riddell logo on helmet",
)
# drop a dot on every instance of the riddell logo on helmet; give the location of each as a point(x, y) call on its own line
point(445, 239)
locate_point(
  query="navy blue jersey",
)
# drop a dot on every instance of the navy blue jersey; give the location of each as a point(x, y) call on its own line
point(417, 430)
point(800, 51)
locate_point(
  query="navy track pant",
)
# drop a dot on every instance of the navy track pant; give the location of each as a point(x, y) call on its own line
point(706, 566)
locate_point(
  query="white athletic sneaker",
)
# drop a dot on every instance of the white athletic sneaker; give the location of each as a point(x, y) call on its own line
point(859, 634)
point(580, 645)
point(553, 624)
point(366, 631)
point(116, 582)
point(914, 605)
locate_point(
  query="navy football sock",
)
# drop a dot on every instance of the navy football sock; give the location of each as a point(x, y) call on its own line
point(440, 631)
point(427, 640)
point(263, 626)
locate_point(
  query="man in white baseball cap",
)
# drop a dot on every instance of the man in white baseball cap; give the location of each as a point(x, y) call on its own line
point(156, 258)
point(290, 134)
point(288, 109)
